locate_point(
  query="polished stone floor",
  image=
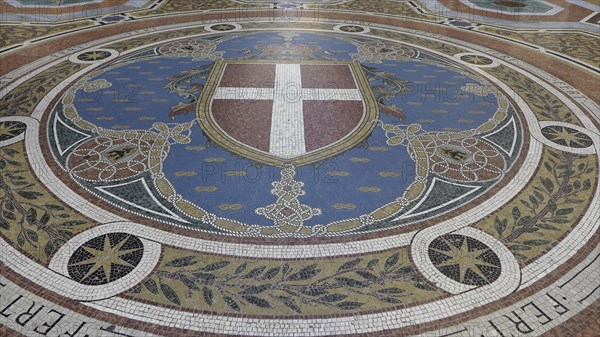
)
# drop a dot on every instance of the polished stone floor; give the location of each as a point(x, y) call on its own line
point(302, 168)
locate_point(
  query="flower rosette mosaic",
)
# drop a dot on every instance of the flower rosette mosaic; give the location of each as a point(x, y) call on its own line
point(300, 176)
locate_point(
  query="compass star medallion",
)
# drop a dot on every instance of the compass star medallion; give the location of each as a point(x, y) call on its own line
point(94, 55)
point(105, 259)
point(465, 260)
point(567, 136)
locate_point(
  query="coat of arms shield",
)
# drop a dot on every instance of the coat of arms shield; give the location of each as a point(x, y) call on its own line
point(276, 112)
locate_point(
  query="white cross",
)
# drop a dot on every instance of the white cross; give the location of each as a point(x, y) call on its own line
point(287, 121)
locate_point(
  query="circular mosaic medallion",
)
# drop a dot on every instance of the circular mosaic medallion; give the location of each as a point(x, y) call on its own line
point(93, 56)
point(11, 129)
point(211, 138)
point(352, 29)
point(465, 260)
point(355, 29)
point(566, 136)
point(477, 60)
point(222, 27)
point(291, 174)
point(105, 259)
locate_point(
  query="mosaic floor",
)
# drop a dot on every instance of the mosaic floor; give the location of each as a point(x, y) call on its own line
point(308, 168)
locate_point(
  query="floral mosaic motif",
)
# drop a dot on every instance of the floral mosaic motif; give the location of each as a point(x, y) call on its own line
point(11, 129)
point(437, 44)
point(21, 101)
point(15, 34)
point(288, 50)
point(133, 43)
point(465, 260)
point(546, 209)
point(577, 45)
point(287, 211)
point(94, 55)
point(566, 136)
point(285, 288)
point(29, 217)
point(175, 6)
point(544, 104)
point(105, 259)
point(376, 51)
point(199, 49)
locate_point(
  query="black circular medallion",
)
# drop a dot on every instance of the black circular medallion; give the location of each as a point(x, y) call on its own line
point(477, 60)
point(222, 27)
point(566, 136)
point(464, 259)
point(95, 55)
point(105, 259)
point(352, 29)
